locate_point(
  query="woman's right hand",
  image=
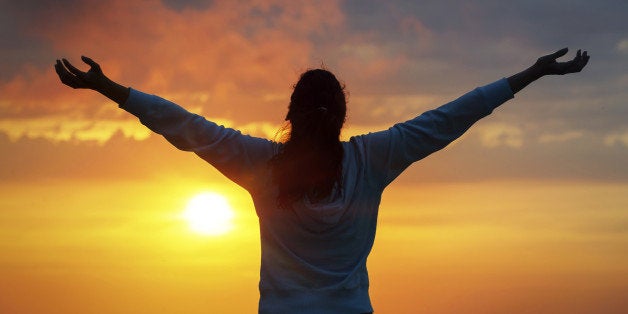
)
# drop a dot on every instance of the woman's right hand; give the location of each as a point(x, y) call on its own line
point(75, 78)
point(92, 79)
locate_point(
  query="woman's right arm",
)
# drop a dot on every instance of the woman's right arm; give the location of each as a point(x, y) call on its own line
point(93, 79)
point(232, 153)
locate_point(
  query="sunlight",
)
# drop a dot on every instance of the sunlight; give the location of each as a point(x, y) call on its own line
point(209, 214)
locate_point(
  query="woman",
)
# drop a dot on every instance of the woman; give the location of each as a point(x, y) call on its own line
point(316, 197)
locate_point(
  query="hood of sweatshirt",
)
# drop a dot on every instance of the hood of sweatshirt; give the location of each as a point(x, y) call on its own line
point(327, 213)
point(321, 215)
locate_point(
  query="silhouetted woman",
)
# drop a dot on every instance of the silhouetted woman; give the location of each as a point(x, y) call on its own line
point(316, 197)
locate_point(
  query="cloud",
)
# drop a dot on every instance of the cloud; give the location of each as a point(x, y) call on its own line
point(622, 46)
point(220, 57)
point(262, 129)
point(235, 62)
point(617, 138)
point(187, 4)
point(63, 129)
point(156, 47)
point(377, 110)
point(73, 129)
point(500, 134)
point(547, 138)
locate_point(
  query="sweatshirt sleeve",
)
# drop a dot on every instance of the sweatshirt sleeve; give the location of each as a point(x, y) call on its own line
point(235, 155)
point(390, 152)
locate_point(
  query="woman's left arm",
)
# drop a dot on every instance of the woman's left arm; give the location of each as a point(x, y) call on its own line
point(547, 65)
point(393, 150)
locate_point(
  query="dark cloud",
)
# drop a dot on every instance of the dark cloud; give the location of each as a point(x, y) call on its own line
point(397, 58)
point(17, 43)
point(179, 5)
point(486, 35)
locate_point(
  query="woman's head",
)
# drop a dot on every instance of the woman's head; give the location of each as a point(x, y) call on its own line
point(317, 108)
point(310, 161)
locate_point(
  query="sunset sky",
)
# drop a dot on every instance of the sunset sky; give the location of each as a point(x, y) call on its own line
point(526, 213)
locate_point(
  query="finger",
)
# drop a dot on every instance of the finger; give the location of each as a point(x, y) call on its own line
point(90, 62)
point(66, 77)
point(72, 69)
point(62, 71)
point(59, 68)
point(69, 81)
point(550, 58)
point(585, 58)
point(581, 62)
point(575, 62)
point(560, 53)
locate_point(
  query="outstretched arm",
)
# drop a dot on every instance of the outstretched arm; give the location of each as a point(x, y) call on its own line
point(93, 79)
point(237, 156)
point(391, 151)
point(547, 65)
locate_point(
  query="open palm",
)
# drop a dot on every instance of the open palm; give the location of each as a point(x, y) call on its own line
point(75, 78)
point(549, 65)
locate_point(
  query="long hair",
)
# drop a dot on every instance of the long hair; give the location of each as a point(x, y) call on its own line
point(310, 161)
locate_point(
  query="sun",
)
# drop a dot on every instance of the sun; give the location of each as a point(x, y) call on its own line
point(209, 214)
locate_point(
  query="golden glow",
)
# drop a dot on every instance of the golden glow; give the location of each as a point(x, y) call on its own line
point(209, 213)
point(477, 247)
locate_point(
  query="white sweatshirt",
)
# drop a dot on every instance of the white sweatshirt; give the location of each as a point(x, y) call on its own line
point(314, 256)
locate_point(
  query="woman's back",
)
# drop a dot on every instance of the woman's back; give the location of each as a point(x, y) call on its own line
point(314, 254)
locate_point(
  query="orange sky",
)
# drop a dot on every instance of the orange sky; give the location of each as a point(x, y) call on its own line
point(120, 246)
point(526, 213)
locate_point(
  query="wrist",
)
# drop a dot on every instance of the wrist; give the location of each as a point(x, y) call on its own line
point(112, 90)
point(536, 71)
point(102, 84)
